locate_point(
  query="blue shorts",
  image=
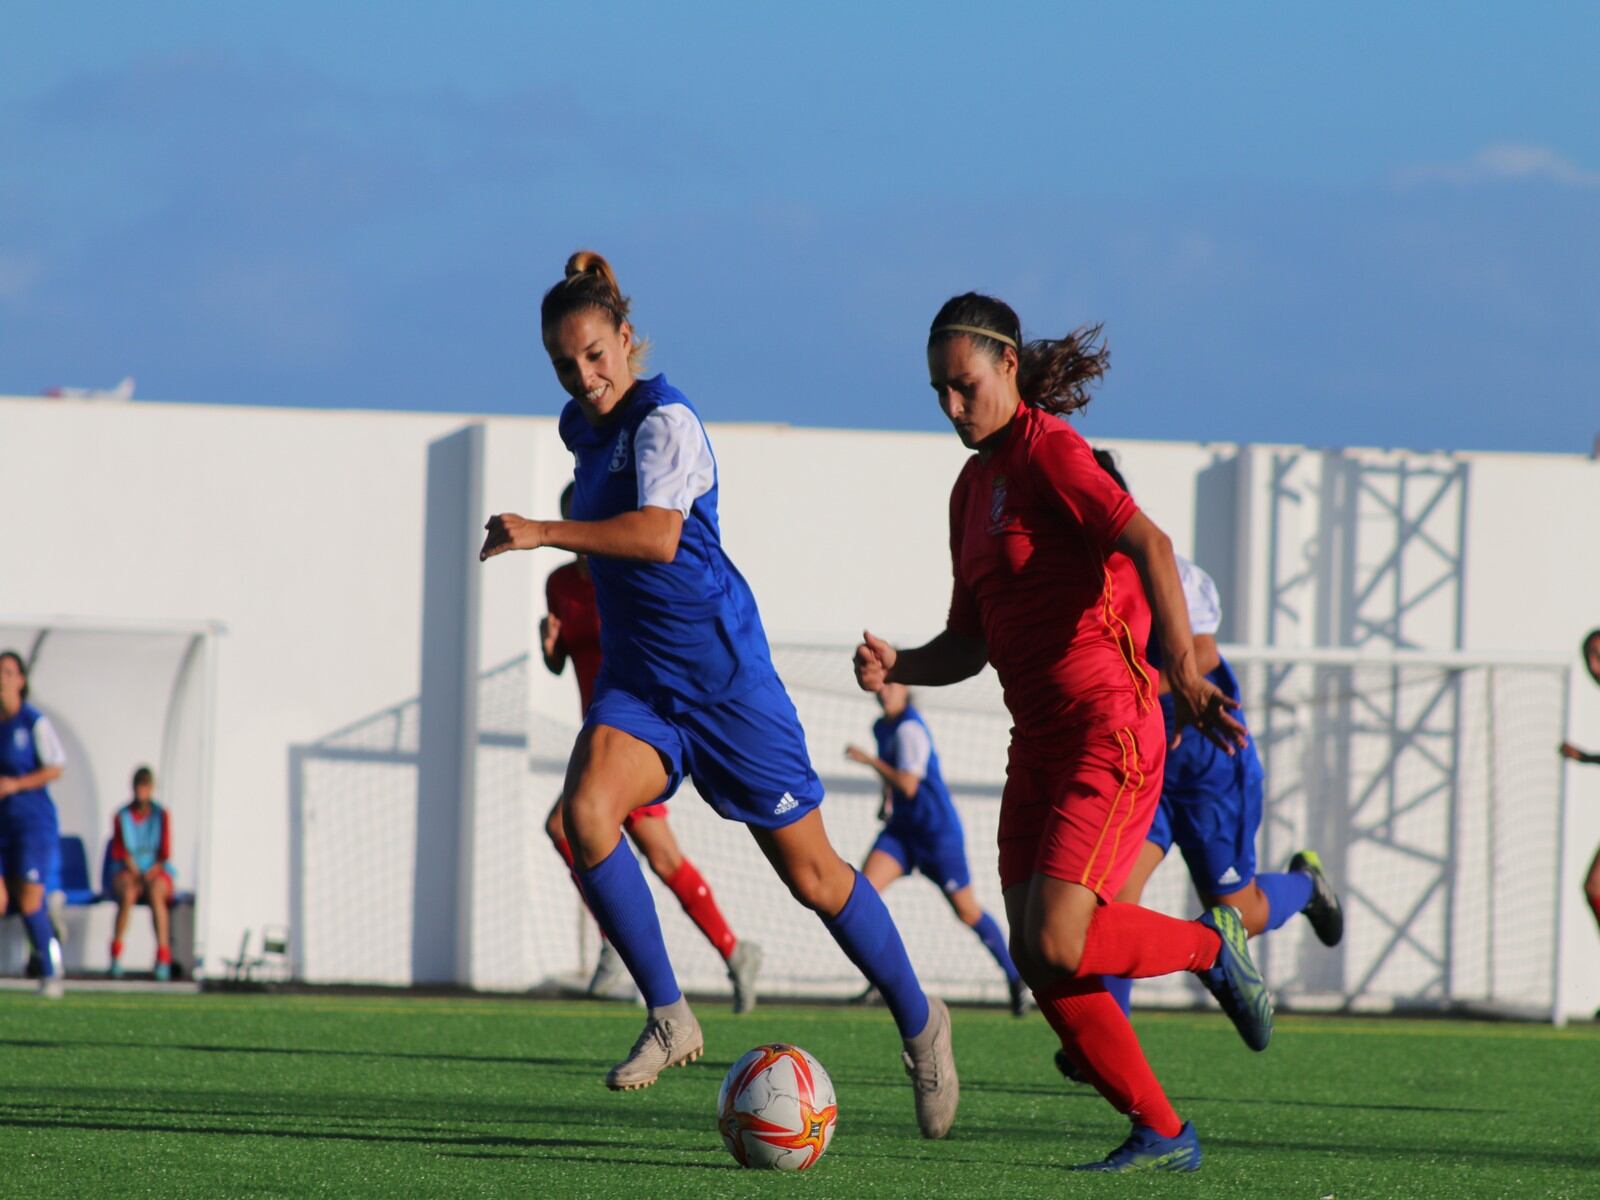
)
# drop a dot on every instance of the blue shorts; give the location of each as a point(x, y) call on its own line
point(31, 852)
point(944, 860)
point(746, 756)
point(1211, 807)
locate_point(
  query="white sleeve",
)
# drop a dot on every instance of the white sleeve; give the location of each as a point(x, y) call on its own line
point(672, 459)
point(912, 749)
point(1205, 606)
point(46, 744)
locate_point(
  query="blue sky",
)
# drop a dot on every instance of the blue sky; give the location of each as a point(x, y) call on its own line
point(1364, 224)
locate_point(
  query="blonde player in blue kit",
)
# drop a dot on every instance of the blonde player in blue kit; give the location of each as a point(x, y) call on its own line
point(687, 688)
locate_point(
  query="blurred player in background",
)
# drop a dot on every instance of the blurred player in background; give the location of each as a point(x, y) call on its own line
point(31, 758)
point(571, 629)
point(1035, 525)
point(687, 687)
point(1591, 883)
point(1211, 803)
point(921, 830)
point(141, 849)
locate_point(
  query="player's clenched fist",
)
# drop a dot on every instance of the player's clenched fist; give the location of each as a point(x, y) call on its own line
point(873, 661)
point(507, 531)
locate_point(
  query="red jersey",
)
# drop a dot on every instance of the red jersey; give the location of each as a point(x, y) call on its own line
point(1032, 533)
point(569, 593)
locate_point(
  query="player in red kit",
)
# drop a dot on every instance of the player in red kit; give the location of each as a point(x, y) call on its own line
point(571, 629)
point(1034, 524)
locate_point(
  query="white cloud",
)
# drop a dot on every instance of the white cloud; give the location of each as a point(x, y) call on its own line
point(1504, 162)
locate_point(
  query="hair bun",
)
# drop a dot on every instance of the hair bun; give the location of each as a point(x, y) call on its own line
point(589, 262)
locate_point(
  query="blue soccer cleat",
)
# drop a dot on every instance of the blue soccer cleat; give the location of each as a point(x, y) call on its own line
point(1234, 980)
point(1323, 909)
point(1147, 1150)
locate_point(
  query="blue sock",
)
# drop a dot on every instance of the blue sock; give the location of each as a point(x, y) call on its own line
point(1287, 893)
point(39, 933)
point(867, 935)
point(988, 931)
point(1121, 989)
point(622, 905)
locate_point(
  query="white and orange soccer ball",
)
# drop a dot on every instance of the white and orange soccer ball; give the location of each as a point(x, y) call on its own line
point(777, 1109)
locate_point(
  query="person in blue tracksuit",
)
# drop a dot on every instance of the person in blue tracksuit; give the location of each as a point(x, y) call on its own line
point(921, 829)
point(686, 688)
point(31, 758)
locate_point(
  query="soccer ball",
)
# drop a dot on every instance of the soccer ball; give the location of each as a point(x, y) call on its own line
point(776, 1109)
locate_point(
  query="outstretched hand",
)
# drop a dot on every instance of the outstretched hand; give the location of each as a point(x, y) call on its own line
point(507, 531)
point(874, 659)
point(857, 754)
point(1210, 710)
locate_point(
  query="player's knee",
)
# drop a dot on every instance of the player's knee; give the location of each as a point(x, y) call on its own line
point(821, 886)
point(590, 820)
point(555, 825)
point(1059, 947)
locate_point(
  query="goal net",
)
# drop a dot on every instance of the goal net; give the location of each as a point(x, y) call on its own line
point(1428, 786)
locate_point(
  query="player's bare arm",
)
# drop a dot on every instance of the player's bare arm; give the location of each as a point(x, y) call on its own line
point(1206, 659)
point(1568, 750)
point(44, 776)
point(949, 658)
point(904, 782)
point(645, 534)
point(1198, 701)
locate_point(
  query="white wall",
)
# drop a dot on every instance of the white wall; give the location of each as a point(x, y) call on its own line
point(303, 532)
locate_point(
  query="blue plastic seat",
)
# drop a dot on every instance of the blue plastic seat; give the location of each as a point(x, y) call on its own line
point(75, 872)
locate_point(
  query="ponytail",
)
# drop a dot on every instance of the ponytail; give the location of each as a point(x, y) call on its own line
point(1053, 374)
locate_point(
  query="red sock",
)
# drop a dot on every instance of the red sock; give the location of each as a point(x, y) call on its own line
point(695, 896)
point(164, 954)
point(1137, 943)
point(1098, 1038)
point(1594, 904)
point(116, 950)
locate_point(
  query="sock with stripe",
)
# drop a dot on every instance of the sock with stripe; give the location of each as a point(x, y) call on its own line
point(1125, 939)
point(1098, 1038)
point(988, 931)
point(1287, 892)
point(867, 935)
point(621, 903)
point(694, 894)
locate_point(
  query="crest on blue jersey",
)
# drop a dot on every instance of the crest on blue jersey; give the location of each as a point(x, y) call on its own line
point(619, 456)
point(20, 736)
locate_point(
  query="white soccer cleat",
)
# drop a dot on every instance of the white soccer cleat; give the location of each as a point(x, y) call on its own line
point(51, 987)
point(931, 1062)
point(665, 1043)
point(744, 964)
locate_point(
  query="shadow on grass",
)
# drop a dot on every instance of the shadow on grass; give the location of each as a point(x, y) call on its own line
point(571, 1062)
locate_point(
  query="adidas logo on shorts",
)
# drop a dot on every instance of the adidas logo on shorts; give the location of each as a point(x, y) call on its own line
point(1228, 876)
point(787, 804)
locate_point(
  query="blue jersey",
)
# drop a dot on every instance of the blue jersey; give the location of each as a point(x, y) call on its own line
point(929, 816)
point(27, 743)
point(680, 635)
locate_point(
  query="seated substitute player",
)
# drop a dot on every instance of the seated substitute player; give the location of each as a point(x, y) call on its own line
point(922, 830)
point(31, 758)
point(571, 629)
point(141, 850)
point(1034, 527)
point(1591, 882)
point(687, 687)
point(1211, 804)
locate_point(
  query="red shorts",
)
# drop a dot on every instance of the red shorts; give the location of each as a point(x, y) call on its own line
point(1081, 814)
point(644, 814)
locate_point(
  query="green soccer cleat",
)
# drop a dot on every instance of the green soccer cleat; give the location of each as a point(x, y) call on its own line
point(1234, 980)
point(1323, 910)
point(1147, 1150)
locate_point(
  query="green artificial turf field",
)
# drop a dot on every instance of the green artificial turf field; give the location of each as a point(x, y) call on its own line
point(255, 1095)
